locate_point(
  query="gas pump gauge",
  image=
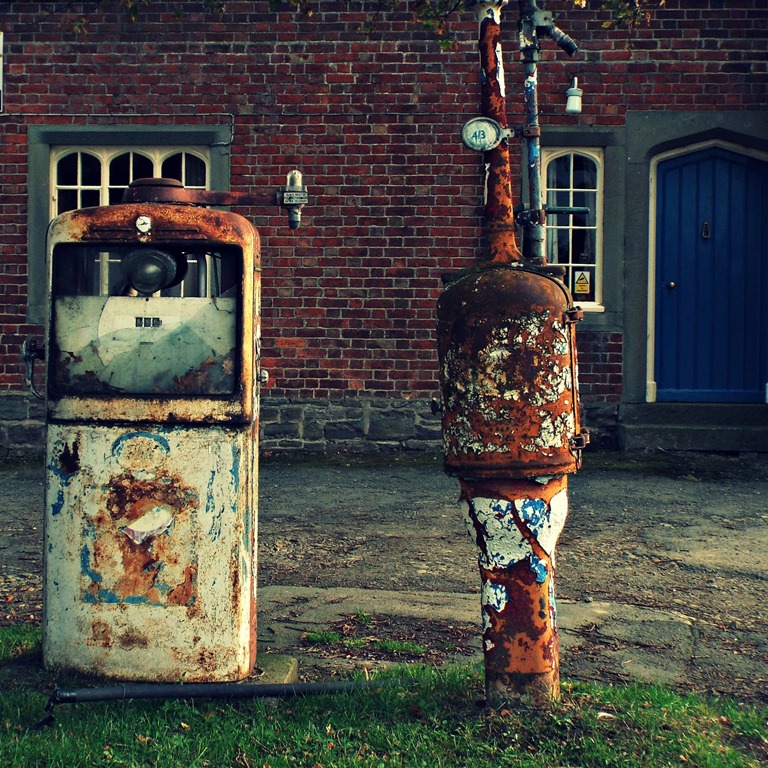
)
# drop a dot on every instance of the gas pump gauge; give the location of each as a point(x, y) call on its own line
point(483, 134)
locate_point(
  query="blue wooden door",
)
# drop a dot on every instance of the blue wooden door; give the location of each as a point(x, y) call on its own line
point(711, 325)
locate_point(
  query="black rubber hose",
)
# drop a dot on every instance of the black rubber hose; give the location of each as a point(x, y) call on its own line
point(209, 690)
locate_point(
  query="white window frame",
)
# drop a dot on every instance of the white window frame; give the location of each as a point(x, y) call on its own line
point(106, 154)
point(597, 155)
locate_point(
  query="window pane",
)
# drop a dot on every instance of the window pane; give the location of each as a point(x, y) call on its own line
point(584, 200)
point(120, 170)
point(66, 170)
point(587, 200)
point(172, 167)
point(89, 198)
point(563, 246)
point(583, 246)
point(67, 200)
point(116, 195)
point(90, 170)
point(584, 172)
point(559, 173)
point(562, 199)
point(143, 168)
point(195, 171)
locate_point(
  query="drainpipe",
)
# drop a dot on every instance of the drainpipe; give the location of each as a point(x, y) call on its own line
point(534, 22)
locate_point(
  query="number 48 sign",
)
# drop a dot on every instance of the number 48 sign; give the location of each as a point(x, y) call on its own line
point(483, 134)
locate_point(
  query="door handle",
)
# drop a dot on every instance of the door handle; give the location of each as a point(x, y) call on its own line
point(671, 284)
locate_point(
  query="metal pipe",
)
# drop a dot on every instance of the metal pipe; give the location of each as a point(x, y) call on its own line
point(509, 400)
point(517, 523)
point(534, 21)
point(209, 690)
point(189, 691)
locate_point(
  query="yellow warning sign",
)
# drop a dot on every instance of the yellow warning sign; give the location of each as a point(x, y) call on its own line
point(582, 283)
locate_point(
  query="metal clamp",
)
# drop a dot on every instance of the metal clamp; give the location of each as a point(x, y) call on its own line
point(573, 315)
point(30, 351)
point(579, 442)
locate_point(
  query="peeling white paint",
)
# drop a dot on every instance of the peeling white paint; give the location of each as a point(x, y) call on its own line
point(138, 585)
point(494, 596)
point(491, 379)
point(545, 521)
point(503, 544)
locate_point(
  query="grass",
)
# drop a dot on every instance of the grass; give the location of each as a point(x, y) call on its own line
point(432, 720)
point(386, 645)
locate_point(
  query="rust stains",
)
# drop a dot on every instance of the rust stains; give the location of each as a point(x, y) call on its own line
point(131, 639)
point(183, 593)
point(101, 634)
point(499, 204)
point(116, 223)
point(140, 550)
point(507, 374)
point(205, 378)
point(516, 524)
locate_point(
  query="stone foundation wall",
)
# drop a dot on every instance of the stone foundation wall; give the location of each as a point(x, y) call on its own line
point(22, 427)
point(359, 425)
point(354, 425)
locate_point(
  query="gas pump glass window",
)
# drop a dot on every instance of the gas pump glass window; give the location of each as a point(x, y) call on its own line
point(122, 323)
point(574, 240)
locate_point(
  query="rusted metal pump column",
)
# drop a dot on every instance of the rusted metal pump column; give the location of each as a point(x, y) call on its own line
point(510, 424)
point(499, 214)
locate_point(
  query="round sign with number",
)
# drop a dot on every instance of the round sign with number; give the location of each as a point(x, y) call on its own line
point(482, 134)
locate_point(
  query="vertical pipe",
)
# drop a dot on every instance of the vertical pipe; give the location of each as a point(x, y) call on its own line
point(499, 214)
point(532, 133)
point(529, 48)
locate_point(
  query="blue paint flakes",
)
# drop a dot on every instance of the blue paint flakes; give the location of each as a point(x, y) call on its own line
point(539, 568)
point(535, 512)
point(58, 505)
point(495, 596)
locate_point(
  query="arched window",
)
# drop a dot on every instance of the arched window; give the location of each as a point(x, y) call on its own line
point(82, 178)
point(574, 179)
point(78, 181)
point(123, 169)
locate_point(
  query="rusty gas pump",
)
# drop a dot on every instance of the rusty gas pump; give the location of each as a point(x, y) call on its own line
point(152, 397)
point(509, 401)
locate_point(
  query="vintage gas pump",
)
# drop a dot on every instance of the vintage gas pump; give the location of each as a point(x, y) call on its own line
point(510, 418)
point(152, 420)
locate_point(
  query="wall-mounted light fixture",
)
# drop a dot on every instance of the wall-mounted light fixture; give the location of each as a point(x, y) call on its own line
point(573, 96)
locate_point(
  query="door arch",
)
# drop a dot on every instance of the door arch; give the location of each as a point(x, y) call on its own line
point(708, 276)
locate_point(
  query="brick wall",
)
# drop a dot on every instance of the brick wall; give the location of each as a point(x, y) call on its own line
point(348, 301)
